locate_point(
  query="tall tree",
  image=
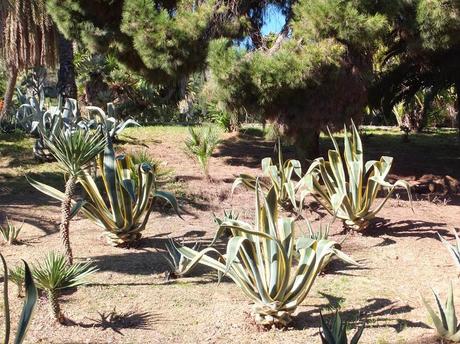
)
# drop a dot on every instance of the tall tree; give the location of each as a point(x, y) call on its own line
point(163, 40)
point(316, 72)
point(422, 53)
point(67, 86)
point(27, 39)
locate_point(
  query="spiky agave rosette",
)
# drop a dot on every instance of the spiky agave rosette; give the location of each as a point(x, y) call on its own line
point(273, 268)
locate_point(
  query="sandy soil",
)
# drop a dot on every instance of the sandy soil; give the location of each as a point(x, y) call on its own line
point(129, 301)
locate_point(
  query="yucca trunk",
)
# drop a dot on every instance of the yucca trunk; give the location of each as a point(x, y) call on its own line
point(54, 307)
point(8, 97)
point(65, 218)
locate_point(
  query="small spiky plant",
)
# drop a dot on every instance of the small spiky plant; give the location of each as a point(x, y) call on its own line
point(200, 145)
point(446, 322)
point(10, 232)
point(454, 250)
point(335, 331)
point(177, 262)
point(16, 275)
point(54, 274)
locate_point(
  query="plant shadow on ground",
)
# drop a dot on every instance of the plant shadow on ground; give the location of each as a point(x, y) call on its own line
point(119, 321)
point(341, 268)
point(405, 228)
point(143, 261)
point(374, 314)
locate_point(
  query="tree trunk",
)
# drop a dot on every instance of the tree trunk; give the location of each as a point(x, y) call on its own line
point(457, 90)
point(66, 85)
point(65, 218)
point(307, 144)
point(9, 92)
point(54, 307)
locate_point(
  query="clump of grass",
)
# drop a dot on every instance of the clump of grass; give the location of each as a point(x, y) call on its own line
point(162, 172)
point(200, 145)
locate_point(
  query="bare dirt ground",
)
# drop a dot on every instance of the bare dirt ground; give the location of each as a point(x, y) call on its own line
point(129, 301)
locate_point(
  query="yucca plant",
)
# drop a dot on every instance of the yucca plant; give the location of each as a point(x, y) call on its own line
point(17, 275)
point(281, 179)
point(454, 250)
point(27, 309)
point(346, 187)
point(446, 322)
point(177, 262)
point(335, 331)
point(200, 145)
point(53, 274)
point(74, 150)
point(10, 232)
point(273, 268)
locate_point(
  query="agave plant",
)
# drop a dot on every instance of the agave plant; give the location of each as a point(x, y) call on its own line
point(347, 189)
point(446, 322)
point(177, 262)
point(10, 232)
point(453, 249)
point(27, 309)
point(160, 170)
point(54, 274)
point(281, 179)
point(74, 150)
point(111, 125)
point(273, 268)
point(200, 145)
point(335, 332)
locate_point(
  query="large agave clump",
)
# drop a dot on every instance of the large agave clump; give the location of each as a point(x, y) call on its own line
point(346, 186)
point(272, 267)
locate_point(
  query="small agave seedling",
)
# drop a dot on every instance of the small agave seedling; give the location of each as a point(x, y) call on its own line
point(446, 322)
point(10, 232)
point(30, 301)
point(335, 332)
point(281, 179)
point(453, 249)
point(177, 262)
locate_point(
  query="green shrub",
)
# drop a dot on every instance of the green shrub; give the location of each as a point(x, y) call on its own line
point(201, 144)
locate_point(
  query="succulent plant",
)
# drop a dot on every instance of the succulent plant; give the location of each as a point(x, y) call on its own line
point(335, 331)
point(10, 232)
point(347, 188)
point(177, 262)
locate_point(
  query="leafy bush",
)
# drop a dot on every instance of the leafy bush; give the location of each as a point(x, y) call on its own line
point(10, 232)
point(273, 268)
point(54, 274)
point(446, 322)
point(27, 309)
point(335, 332)
point(200, 145)
point(348, 190)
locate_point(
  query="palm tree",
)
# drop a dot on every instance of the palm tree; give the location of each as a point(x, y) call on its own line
point(54, 275)
point(27, 39)
point(74, 150)
point(66, 86)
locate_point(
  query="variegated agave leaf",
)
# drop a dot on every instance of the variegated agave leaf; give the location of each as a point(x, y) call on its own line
point(454, 250)
point(273, 268)
point(346, 187)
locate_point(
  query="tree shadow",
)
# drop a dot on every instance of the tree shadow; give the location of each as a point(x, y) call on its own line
point(376, 315)
point(405, 228)
point(120, 321)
